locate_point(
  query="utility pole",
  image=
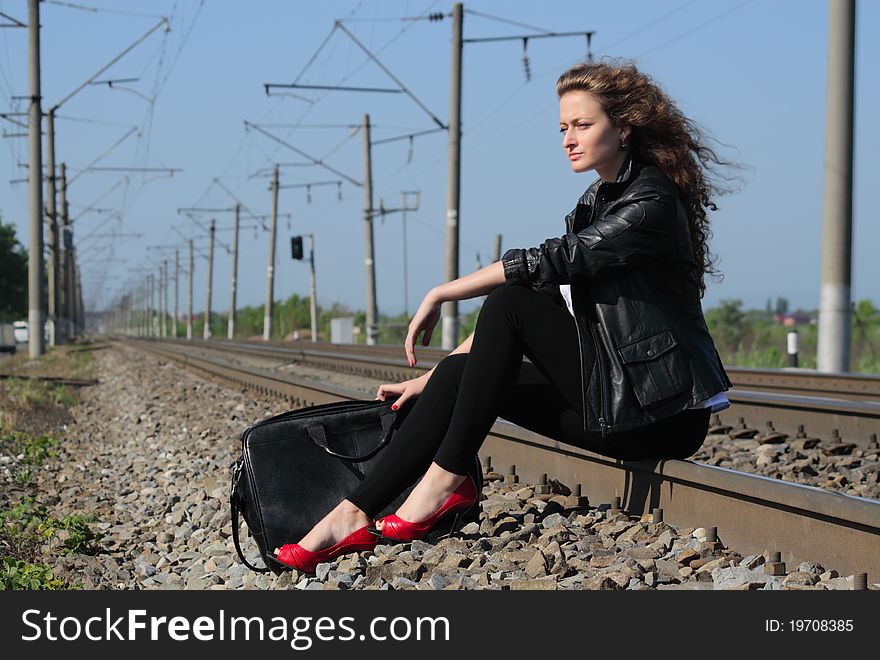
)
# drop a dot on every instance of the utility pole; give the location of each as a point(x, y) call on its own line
point(372, 312)
point(80, 308)
point(206, 330)
point(164, 298)
point(405, 275)
point(52, 266)
point(66, 254)
point(270, 270)
point(150, 327)
point(835, 297)
point(189, 315)
point(453, 180)
point(230, 329)
point(497, 247)
point(74, 296)
point(36, 344)
point(313, 304)
point(176, 289)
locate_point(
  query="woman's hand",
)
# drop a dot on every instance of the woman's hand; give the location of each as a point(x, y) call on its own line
point(423, 323)
point(408, 389)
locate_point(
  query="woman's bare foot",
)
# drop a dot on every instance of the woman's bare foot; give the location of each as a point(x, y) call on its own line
point(428, 495)
point(335, 526)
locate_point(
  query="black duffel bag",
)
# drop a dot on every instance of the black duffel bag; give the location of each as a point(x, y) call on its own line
point(297, 466)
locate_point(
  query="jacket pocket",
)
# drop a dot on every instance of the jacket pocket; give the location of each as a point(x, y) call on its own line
point(656, 368)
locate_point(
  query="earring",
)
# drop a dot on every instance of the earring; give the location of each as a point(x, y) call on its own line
point(623, 145)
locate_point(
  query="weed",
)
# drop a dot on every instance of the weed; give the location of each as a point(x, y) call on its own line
point(28, 524)
point(38, 449)
point(22, 575)
point(81, 539)
point(22, 477)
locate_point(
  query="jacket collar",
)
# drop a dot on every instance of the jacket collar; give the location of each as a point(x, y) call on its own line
point(628, 169)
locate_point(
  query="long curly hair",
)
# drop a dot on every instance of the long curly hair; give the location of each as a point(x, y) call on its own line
point(661, 135)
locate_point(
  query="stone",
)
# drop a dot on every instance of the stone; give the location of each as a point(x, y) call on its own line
point(602, 562)
point(540, 584)
point(602, 583)
point(642, 552)
point(537, 565)
point(688, 555)
point(752, 561)
point(726, 578)
point(839, 583)
point(800, 578)
point(438, 581)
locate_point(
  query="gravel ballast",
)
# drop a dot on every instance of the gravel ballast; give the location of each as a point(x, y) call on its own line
point(149, 454)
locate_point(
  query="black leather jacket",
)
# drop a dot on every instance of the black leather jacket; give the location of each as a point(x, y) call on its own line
point(645, 351)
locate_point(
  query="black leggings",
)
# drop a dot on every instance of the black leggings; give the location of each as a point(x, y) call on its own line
point(468, 391)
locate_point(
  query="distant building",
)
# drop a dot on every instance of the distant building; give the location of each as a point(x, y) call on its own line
point(793, 319)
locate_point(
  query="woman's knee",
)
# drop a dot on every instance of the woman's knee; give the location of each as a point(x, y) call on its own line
point(450, 368)
point(502, 301)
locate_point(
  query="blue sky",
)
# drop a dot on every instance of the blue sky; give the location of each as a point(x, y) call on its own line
point(752, 73)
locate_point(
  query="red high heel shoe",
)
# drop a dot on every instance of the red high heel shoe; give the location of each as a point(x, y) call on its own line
point(396, 528)
point(295, 556)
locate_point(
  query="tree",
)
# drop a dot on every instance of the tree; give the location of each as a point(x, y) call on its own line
point(13, 275)
point(726, 323)
point(782, 306)
point(864, 318)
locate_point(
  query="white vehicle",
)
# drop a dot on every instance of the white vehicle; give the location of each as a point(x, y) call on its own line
point(21, 331)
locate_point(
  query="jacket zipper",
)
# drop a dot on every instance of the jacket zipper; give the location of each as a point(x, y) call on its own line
point(583, 380)
point(598, 199)
point(602, 416)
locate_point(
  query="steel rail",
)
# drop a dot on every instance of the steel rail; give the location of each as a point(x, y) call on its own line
point(853, 420)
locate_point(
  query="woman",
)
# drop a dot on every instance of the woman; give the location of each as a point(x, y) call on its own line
point(609, 315)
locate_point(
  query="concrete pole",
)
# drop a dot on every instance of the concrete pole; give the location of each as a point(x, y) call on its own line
point(230, 328)
point(164, 298)
point(313, 303)
point(270, 269)
point(189, 298)
point(453, 180)
point(372, 329)
point(405, 275)
point(834, 304)
point(71, 287)
point(159, 303)
point(53, 263)
point(497, 247)
point(80, 308)
point(150, 327)
point(176, 291)
point(36, 343)
point(74, 297)
point(206, 330)
point(64, 259)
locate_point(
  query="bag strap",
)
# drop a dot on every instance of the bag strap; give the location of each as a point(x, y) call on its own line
point(319, 436)
point(233, 505)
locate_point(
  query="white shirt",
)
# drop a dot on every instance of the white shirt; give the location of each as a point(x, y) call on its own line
point(717, 403)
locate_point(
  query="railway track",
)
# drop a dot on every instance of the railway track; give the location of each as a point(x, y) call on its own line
point(756, 514)
point(845, 406)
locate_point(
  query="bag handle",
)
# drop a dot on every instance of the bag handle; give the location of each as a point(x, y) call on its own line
point(318, 435)
point(233, 505)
